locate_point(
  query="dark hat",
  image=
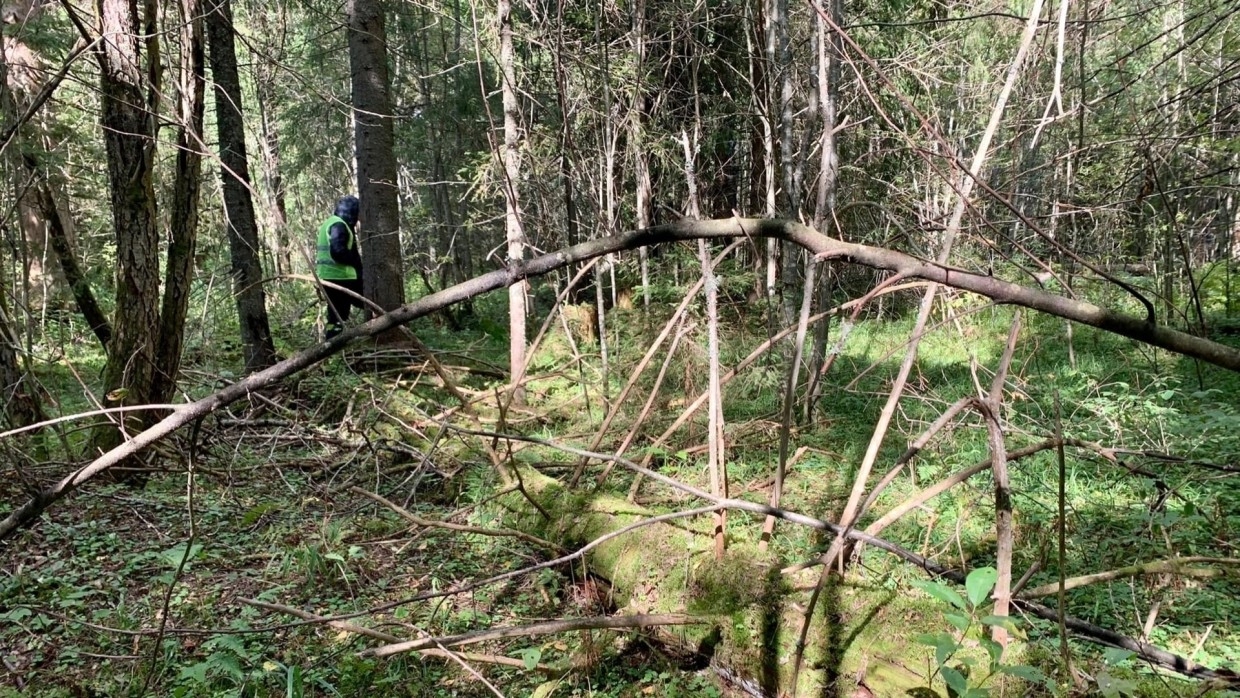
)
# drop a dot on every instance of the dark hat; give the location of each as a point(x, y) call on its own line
point(347, 208)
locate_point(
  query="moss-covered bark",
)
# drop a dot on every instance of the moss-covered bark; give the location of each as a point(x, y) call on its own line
point(756, 613)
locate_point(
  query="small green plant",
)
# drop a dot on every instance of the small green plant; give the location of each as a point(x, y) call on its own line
point(326, 558)
point(962, 672)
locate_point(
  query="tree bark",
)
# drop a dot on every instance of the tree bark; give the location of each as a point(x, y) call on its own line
point(243, 243)
point(75, 278)
point(264, 74)
point(512, 215)
point(374, 141)
point(22, 403)
point(128, 122)
point(179, 272)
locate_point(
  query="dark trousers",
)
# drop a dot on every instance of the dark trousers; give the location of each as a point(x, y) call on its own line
point(339, 304)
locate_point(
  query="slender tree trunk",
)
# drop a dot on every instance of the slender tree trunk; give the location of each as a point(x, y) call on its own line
point(512, 215)
point(273, 177)
point(714, 437)
point(789, 255)
point(75, 278)
point(824, 202)
point(376, 158)
point(992, 409)
point(641, 158)
point(243, 243)
point(179, 271)
point(769, 113)
point(572, 217)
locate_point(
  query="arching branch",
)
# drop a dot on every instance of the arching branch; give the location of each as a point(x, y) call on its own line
point(825, 247)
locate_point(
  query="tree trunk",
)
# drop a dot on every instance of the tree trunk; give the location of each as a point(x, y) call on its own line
point(75, 278)
point(21, 407)
point(180, 266)
point(274, 179)
point(128, 122)
point(641, 158)
point(243, 244)
point(824, 202)
point(379, 227)
point(512, 217)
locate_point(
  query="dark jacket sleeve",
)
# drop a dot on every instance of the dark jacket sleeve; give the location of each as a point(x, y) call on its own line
point(341, 254)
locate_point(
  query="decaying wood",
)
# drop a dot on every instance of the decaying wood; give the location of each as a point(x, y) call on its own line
point(459, 528)
point(825, 247)
point(1182, 566)
point(553, 627)
point(392, 639)
point(1147, 652)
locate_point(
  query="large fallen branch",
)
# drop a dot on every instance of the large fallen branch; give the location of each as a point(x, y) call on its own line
point(1149, 653)
point(824, 247)
point(1181, 566)
point(551, 627)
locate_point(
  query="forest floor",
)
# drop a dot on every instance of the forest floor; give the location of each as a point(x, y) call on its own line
point(276, 524)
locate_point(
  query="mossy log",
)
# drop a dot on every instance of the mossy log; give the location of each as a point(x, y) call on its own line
point(755, 612)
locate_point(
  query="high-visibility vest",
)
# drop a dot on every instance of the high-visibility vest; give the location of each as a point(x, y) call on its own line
point(328, 268)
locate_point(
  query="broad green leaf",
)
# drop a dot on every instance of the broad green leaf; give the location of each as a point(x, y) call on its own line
point(994, 649)
point(1116, 655)
point(979, 583)
point(955, 681)
point(942, 593)
point(173, 556)
point(1006, 622)
point(944, 648)
point(227, 664)
point(227, 642)
point(1028, 673)
point(959, 620)
point(1113, 687)
point(196, 672)
point(530, 657)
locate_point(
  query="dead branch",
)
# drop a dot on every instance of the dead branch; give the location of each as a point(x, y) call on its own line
point(1147, 652)
point(459, 528)
point(337, 624)
point(824, 247)
point(553, 627)
point(385, 637)
point(1176, 565)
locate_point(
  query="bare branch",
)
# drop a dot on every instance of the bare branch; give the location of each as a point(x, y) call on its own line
point(825, 247)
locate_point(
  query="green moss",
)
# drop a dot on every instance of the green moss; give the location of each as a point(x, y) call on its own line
point(732, 584)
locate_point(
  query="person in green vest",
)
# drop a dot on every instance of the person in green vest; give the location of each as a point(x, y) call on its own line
point(339, 262)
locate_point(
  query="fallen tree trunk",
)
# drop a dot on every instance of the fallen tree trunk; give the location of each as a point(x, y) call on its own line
point(824, 247)
point(744, 592)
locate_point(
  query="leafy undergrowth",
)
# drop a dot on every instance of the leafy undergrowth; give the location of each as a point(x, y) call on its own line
point(83, 597)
